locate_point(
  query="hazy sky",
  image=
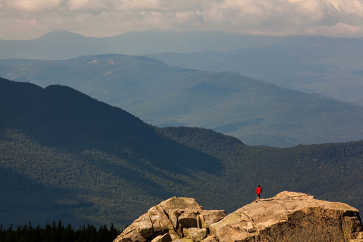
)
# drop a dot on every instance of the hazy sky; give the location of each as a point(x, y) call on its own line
point(24, 19)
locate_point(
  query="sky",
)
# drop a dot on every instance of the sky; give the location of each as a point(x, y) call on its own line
point(27, 19)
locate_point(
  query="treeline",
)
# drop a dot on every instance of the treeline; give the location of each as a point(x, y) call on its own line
point(58, 232)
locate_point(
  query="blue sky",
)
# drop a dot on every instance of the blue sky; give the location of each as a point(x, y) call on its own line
point(26, 19)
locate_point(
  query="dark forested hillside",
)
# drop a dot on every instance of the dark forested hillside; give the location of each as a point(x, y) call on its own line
point(64, 155)
point(63, 117)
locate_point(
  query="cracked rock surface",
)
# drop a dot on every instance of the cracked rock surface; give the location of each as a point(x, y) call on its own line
point(289, 216)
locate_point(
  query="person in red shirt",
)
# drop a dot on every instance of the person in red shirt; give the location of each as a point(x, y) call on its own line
point(258, 192)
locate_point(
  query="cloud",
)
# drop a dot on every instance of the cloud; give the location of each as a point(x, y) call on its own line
point(76, 4)
point(137, 4)
point(33, 5)
point(111, 17)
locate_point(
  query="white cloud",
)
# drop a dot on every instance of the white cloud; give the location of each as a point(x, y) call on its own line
point(110, 17)
point(137, 4)
point(76, 4)
point(340, 29)
point(33, 5)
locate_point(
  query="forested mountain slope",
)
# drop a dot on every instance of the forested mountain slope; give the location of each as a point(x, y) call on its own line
point(66, 155)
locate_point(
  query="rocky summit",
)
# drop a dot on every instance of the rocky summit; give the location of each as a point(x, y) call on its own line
point(288, 216)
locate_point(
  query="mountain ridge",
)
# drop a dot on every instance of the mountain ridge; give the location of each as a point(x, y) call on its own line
point(255, 111)
point(138, 43)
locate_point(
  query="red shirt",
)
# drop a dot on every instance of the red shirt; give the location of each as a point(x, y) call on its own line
point(258, 190)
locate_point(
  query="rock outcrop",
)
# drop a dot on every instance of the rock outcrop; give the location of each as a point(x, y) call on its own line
point(289, 216)
point(179, 219)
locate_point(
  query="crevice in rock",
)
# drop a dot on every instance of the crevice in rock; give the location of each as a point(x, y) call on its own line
point(152, 225)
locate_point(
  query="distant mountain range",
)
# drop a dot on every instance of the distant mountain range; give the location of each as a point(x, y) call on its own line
point(61, 45)
point(254, 111)
point(330, 67)
point(66, 155)
point(327, 66)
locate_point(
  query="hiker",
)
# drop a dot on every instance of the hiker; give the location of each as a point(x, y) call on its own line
point(258, 192)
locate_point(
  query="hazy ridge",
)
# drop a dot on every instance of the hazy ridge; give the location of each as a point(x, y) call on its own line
point(255, 111)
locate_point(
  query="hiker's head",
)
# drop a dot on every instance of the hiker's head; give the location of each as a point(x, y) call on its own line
point(259, 185)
